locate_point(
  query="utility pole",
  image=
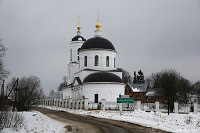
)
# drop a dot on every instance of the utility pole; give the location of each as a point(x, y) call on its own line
point(15, 89)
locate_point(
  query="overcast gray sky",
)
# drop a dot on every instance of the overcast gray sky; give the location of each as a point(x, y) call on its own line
point(151, 35)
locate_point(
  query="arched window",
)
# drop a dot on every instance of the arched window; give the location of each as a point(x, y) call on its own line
point(70, 54)
point(78, 50)
point(114, 62)
point(85, 61)
point(96, 62)
point(107, 61)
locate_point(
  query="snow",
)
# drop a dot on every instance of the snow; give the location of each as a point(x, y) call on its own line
point(178, 123)
point(150, 93)
point(36, 122)
point(136, 90)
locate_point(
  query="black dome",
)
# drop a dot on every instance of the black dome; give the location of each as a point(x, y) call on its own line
point(102, 77)
point(97, 43)
point(78, 38)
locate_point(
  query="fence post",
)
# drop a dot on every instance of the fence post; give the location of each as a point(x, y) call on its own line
point(70, 103)
point(195, 107)
point(138, 105)
point(176, 107)
point(157, 106)
point(67, 103)
point(55, 102)
point(86, 104)
point(81, 104)
point(77, 104)
point(103, 104)
point(120, 108)
point(45, 102)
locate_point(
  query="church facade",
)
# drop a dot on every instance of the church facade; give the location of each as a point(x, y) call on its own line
point(92, 72)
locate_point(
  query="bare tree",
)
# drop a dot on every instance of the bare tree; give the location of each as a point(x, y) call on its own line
point(27, 93)
point(126, 77)
point(172, 86)
point(63, 84)
point(196, 89)
point(3, 72)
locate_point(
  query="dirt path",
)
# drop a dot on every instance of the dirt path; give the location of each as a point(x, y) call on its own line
point(88, 124)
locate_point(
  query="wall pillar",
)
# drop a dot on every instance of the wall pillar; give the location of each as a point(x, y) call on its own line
point(86, 104)
point(138, 105)
point(157, 106)
point(195, 107)
point(103, 104)
point(176, 107)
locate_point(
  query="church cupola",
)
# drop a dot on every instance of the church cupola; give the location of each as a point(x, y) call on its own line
point(76, 44)
point(97, 53)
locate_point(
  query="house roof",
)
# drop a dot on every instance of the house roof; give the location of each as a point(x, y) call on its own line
point(142, 87)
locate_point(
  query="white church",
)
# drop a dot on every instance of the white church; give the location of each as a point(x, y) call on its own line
point(91, 71)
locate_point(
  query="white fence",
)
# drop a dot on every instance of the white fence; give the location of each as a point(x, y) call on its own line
point(103, 105)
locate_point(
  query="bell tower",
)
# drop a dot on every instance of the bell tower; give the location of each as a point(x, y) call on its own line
point(75, 45)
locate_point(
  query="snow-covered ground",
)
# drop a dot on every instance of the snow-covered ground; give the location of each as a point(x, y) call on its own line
point(179, 123)
point(36, 122)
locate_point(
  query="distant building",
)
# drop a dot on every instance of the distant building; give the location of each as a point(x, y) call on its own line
point(143, 93)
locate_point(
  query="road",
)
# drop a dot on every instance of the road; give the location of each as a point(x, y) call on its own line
point(88, 124)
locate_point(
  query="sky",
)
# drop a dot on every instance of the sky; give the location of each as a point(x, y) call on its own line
point(151, 35)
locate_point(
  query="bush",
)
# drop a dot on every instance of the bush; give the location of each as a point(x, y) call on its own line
point(10, 119)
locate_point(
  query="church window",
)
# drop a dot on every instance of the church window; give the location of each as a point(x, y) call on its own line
point(78, 50)
point(114, 62)
point(107, 61)
point(70, 54)
point(85, 61)
point(96, 62)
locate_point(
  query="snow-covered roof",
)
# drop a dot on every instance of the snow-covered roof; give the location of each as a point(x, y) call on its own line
point(142, 87)
point(136, 90)
point(150, 93)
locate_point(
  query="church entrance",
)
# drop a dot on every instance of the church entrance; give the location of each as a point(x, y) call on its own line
point(96, 98)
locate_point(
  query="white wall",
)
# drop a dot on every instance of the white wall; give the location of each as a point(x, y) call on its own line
point(110, 92)
point(102, 54)
point(74, 46)
point(67, 93)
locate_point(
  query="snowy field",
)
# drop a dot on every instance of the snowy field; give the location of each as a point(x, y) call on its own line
point(178, 123)
point(36, 122)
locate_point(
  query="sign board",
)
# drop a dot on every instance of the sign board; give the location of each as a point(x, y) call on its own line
point(124, 96)
point(125, 100)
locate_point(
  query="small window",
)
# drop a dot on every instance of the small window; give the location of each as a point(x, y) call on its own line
point(70, 54)
point(85, 61)
point(107, 61)
point(79, 50)
point(96, 62)
point(114, 62)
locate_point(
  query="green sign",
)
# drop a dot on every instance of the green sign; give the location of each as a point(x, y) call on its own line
point(125, 100)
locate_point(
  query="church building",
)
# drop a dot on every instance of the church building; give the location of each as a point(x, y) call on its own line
point(92, 72)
